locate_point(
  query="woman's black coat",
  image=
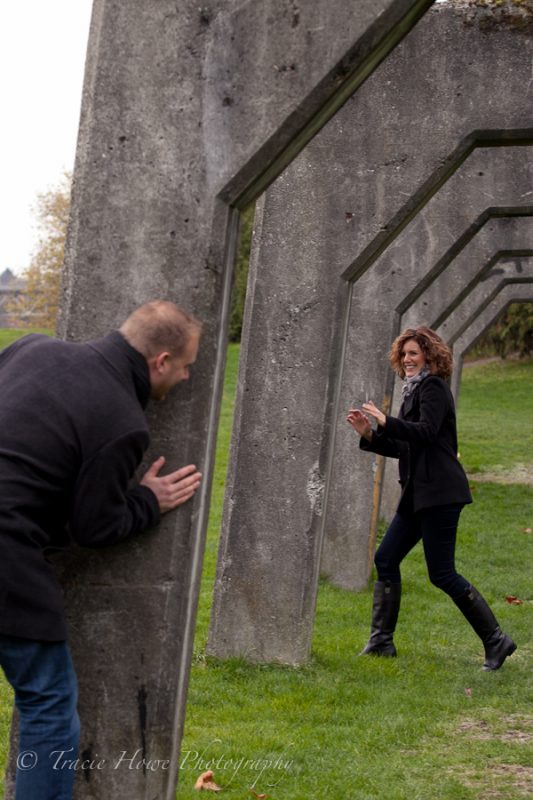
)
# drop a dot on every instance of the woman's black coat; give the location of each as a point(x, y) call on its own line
point(72, 434)
point(424, 438)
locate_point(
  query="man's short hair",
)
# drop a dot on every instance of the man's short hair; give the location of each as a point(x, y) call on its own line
point(160, 326)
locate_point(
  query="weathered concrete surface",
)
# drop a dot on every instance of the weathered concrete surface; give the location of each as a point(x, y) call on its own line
point(182, 102)
point(510, 293)
point(285, 65)
point(353, 191)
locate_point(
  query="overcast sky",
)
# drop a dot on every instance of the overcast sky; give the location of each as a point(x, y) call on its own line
point(42, 55)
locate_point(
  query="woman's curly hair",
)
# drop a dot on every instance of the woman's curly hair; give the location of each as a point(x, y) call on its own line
point(438, 355)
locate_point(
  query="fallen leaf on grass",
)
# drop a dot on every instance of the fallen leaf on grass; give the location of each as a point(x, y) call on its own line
point(468, 692)
point(527, 530)
point(258, 796)
point(514, 601)
point(205, 781)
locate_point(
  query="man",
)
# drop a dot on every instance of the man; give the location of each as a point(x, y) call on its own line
point(72, 434)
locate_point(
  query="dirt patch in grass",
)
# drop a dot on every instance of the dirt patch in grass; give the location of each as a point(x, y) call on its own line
point(519, 473)
point(498, 780)
point(510, 728)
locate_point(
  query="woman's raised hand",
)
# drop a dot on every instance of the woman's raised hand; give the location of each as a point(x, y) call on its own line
point(360, 423)
point(374, 411)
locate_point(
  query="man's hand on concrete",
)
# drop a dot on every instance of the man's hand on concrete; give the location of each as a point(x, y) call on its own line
point(174, 489)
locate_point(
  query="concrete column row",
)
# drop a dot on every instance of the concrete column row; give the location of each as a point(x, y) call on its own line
point(365, 224)
point(186, 108)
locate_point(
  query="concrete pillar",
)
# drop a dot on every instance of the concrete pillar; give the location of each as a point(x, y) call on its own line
point(503, 271)
point(497, 250)
point(187, 109)
point(400, 259)
point(488, 179)
point(263, 604)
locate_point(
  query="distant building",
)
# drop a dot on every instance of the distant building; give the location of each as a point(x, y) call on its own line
point(10, 286)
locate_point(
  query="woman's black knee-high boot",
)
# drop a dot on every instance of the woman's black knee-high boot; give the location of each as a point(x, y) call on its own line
point(384, 616)
point(497, 644)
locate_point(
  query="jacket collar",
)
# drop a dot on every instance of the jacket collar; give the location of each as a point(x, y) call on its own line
point(127, 362)
point(408, 403)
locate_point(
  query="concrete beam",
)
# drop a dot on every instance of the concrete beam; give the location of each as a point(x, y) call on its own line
point(510, 293)
point(467, 312)
point(475, 265)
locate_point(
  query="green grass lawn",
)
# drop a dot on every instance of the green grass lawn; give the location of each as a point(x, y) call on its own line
point(429, 725)
point(496, 414)
point(9, 335)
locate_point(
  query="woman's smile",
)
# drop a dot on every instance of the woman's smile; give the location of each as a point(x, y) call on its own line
point(413, 358)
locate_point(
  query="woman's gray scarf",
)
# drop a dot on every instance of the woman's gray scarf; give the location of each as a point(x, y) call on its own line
point(410, 384)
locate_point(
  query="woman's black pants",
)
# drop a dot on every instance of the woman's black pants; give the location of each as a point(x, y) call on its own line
point(437, 527)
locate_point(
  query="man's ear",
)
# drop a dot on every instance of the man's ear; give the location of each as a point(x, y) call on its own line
point(157, 363)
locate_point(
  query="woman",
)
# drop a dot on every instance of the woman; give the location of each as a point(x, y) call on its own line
point(434, 490)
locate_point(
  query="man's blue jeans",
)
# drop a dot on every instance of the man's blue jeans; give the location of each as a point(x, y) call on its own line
point(44, 681)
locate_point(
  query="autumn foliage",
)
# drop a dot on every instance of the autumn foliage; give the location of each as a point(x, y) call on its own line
point(38, 306)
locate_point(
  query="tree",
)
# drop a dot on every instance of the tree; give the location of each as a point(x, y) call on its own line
point(241, 274)
point(511, 333)
point(517, 329)
point(38, 305)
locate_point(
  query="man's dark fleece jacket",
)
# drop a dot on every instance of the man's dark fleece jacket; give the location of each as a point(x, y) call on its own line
point(72, 434)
